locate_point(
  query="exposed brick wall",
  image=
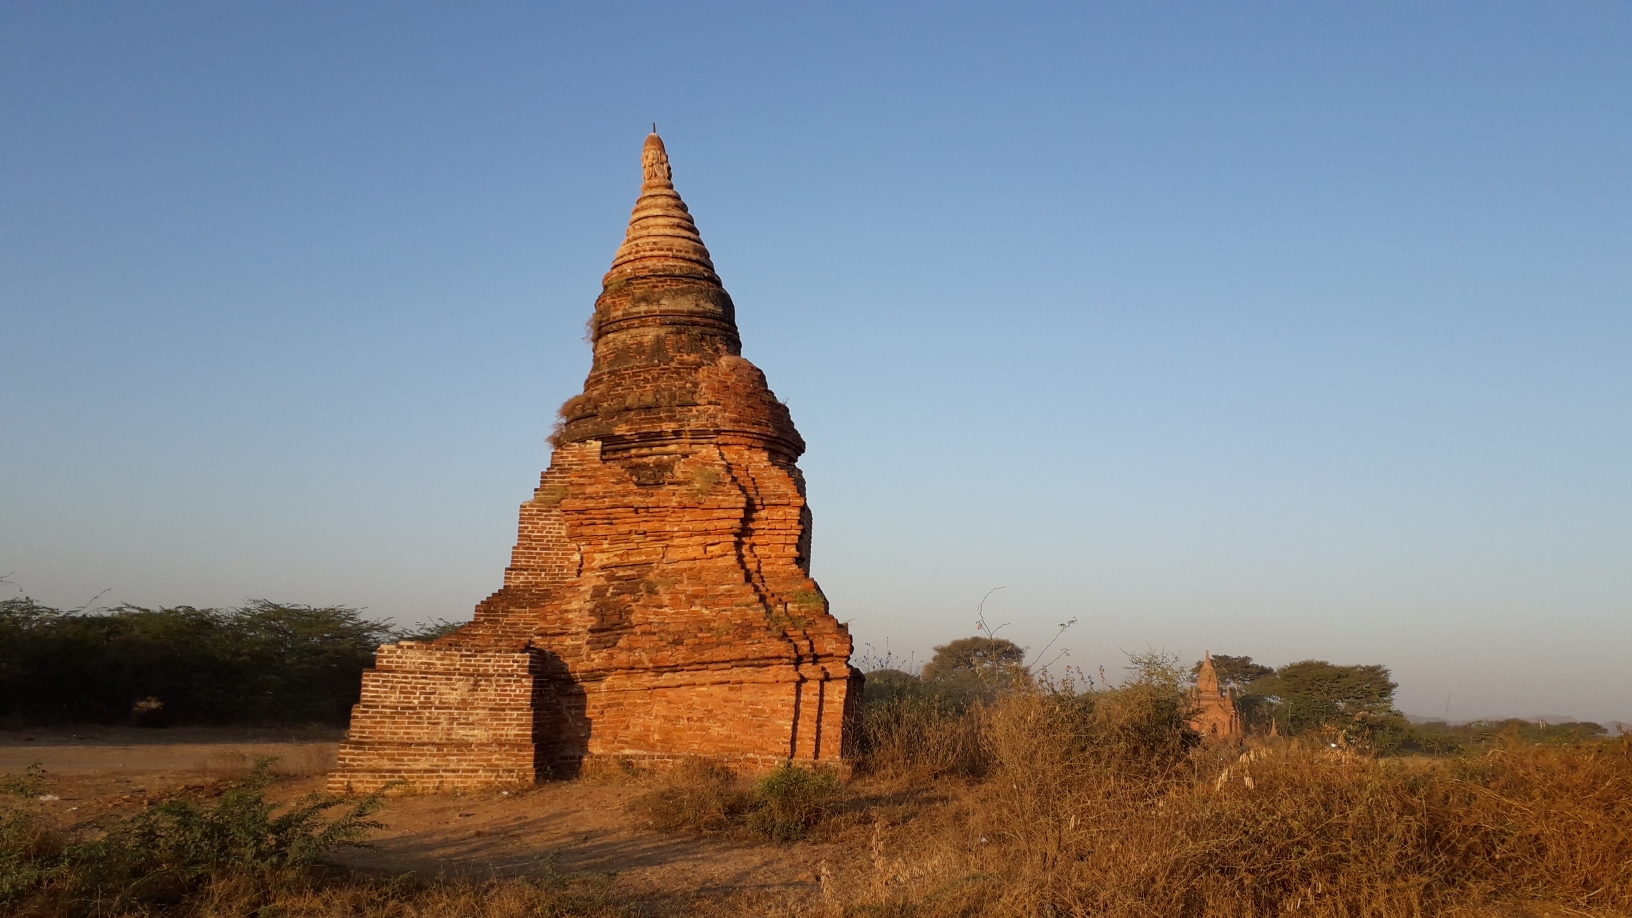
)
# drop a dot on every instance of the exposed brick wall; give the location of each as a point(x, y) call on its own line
point(441, 719)
point(658, 602)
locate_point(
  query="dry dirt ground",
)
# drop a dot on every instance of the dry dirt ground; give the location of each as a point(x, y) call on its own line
point(558, 827)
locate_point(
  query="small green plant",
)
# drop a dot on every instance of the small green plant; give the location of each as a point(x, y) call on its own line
point(31, 783)
point(790, 801)
point(175, 849)
point(30, 849)
point(804, 597)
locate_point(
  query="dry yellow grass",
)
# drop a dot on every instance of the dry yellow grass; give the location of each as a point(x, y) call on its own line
point(1083, 810)
point(565, 897)
point(1053, 803)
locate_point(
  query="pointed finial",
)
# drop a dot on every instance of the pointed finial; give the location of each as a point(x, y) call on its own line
point(655, 164)
point(654, 127)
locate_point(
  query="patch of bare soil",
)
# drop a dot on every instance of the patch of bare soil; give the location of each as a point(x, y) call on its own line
point(572, 826)
point(559, 827)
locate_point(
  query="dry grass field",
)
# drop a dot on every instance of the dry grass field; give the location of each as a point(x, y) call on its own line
point(1044, 803)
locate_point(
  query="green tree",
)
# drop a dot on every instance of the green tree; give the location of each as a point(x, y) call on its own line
point(976, 667)
point(886, 685)
point(980, 656)
point(304, 664)
point(1235, 672)
point(1312, 693)
point(429, 631)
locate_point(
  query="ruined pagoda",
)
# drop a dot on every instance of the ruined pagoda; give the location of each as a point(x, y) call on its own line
point(1213, 712)
point(658, 603)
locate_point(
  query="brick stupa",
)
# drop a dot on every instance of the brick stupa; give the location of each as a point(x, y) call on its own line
point(1213, 715)
point(658, 603)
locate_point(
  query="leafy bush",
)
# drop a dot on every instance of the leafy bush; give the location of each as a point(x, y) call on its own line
point(308, 893)
point(790, 801)
point(430, 631)
point(1440, 737)
point(30, 852)
point(886, 685)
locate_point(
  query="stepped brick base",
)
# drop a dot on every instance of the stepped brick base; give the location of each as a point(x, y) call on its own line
point(439, 719)
point(433, 719)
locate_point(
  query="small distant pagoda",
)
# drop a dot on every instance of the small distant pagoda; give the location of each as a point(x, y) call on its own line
point(1215, 715)
point(658, 603)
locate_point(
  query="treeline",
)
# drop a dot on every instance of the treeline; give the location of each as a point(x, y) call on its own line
point(263, 663)
point(1357, 702)
point(1481, 733)
point(1351, 703)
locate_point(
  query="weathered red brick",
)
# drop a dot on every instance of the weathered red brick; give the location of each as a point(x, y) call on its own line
point(658, 603)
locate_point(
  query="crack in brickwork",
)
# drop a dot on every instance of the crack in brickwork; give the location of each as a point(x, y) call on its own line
point(658, 603)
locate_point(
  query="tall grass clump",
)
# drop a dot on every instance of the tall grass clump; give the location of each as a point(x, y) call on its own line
point(703, 797)
point(700, 796)
point(921, 737)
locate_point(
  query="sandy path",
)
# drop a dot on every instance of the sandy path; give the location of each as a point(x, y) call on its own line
point(209, 759)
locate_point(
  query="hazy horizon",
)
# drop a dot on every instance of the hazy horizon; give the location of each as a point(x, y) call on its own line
point(1297, 332)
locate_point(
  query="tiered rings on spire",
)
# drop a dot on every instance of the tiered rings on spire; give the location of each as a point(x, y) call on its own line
point(662, 240)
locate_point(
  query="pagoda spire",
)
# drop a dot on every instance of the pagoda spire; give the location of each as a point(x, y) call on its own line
point(1207, 676)
point(662, 240)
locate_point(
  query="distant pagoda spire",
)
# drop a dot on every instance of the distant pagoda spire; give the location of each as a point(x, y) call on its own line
point(662, 240)
point(1207, 678)
point(1215, 714)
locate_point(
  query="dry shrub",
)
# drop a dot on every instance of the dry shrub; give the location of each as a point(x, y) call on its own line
point(697, 795)
point(921, 738)
point(703, 797)
point(1096, 805)
point(1554, 821)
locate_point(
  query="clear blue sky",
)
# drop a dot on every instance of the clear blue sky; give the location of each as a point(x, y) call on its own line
point(1293, 330)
